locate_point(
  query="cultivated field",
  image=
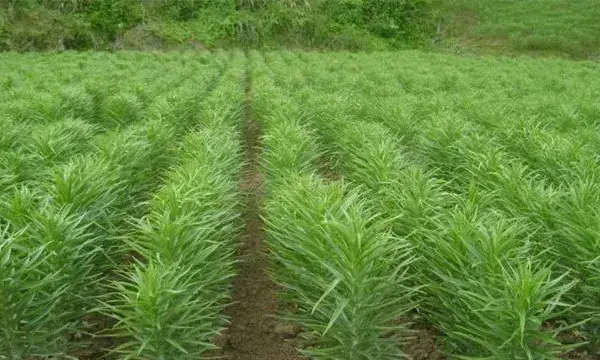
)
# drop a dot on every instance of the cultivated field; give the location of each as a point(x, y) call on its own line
point(156, 206)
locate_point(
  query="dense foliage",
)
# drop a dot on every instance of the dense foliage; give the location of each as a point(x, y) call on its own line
point(459, 193)
point(88, 231)
point(489, 176)
point(354, 24)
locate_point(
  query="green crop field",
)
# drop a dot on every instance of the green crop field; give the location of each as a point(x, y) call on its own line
point(383, 205)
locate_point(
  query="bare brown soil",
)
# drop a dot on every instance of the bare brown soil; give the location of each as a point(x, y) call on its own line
point(581, 353)
point(423, 343)
point(97, 345)
point(255, 333)
point(327, 169)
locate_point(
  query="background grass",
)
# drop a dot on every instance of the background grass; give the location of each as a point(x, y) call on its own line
point(537, 27)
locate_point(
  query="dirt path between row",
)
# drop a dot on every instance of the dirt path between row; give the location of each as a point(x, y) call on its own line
point(254, 332)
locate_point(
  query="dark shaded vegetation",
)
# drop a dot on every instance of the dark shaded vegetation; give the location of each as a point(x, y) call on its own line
point(158, 24)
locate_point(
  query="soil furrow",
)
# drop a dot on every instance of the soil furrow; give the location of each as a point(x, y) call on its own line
point(254, 332)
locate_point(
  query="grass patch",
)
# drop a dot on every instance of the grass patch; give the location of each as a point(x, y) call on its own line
point(535, 27)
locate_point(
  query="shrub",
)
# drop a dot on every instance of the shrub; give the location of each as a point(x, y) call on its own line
point(393, 18)
point(181, 10)
point(111, 17)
